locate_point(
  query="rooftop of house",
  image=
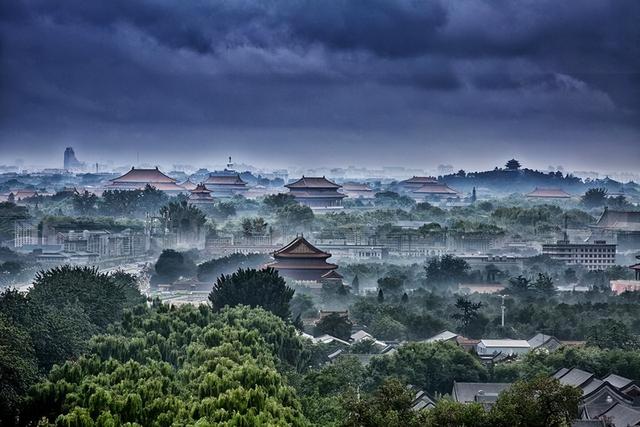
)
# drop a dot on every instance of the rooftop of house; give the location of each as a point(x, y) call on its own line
point(300, 248)
point(356, 186)
point(144, 176)
point(544, 339)
point(474, 392)
point(549, 193)
point(574, 377)
point(619, 220)
point(505, 343)
point(435, 188)
point(442, 336)
point(622, 416)
point(312, 182)
point(225, 180)
point(420, 180)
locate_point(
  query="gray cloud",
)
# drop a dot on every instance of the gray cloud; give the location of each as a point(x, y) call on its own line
point(352, 69)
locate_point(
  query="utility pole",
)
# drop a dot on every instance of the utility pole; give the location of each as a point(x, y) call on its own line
point(503, 308)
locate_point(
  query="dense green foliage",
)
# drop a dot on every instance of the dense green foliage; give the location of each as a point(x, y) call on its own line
point(430, 366)
point(254, 288)
point(9, 214)
point(54, 321)
point(163, 367)
point(173, 264)
point(210, 270)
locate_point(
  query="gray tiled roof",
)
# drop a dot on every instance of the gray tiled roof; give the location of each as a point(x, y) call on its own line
point(617, 381)
point(575, 377)
point(623, 416)
point(468, 392)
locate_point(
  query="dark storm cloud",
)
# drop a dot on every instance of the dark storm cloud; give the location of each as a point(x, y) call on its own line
point(340, 66)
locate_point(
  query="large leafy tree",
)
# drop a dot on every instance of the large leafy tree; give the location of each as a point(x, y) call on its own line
point(172, 264)
point(612, 334)
point(85, 203)
point(18, 368)
point(467, 312)
point(335, 325)
point(98, 295)
point(446, 270)
point(541, 402)
point(210, 270)
point(182, 218)
point(120, 202)
point(389, 406)
point(295, 216)
point(184, 366)
point(255, 288)
point(431, 366)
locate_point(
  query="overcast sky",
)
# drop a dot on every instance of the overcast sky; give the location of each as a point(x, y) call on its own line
point(291, 82)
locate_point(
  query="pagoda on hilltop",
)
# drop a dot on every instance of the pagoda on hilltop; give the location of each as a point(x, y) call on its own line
point(200, 196)
point(300, 260)
point(316, 192)
point(138, 179)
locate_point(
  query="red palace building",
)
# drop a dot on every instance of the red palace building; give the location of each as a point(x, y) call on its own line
point(138, 179)
point(300, 260)
point(316, 192)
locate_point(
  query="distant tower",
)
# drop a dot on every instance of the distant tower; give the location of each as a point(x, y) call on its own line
point(230, 164)
point(70, 160)
point(473, 195)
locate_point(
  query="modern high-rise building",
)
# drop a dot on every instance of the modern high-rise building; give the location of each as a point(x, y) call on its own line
point(70, 160)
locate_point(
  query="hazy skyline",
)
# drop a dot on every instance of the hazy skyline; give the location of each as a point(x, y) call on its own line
point(469, 83)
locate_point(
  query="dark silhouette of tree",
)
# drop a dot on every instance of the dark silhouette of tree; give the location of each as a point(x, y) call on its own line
point(336, 325)
point(594, 197)
point(84, 203)
point(254, 226)
point(295, 216)
point(446, 270)
point(172, 265)
point(544, 284)
point(519, 285)
point(513, 164)
point(276, 201)
point(355, 285)
point(390, 284)
point(468, 312)
point(380, 296)
point(612, 334)
point(210, 270)
point(254, 288)
point(405, 298)
point(182, 218)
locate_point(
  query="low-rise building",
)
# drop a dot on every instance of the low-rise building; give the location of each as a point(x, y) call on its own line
point(485, 394)
point(598, 255)
point(25, 233)
point(507, 347)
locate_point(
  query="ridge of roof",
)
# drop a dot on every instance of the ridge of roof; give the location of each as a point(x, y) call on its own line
point(313, 182)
